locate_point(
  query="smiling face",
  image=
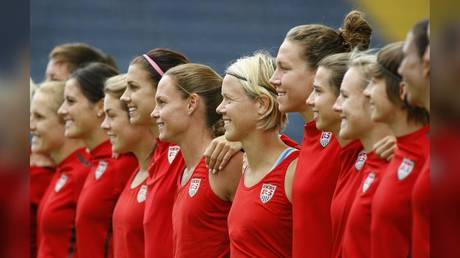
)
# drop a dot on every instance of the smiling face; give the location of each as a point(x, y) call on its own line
point(353, 106)
point(292, 78)
point(321, 101)
point(139, 95)
point(123, 135)
point(80, 115)
point(46, 128)
point(239, 112)
point(170, 113)
point(381, 108)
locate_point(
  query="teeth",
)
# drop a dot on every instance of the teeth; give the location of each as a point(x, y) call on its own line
point(280, 94)
point(68, 123)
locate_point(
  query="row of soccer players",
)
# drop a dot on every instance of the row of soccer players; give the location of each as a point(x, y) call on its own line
point(172, 160)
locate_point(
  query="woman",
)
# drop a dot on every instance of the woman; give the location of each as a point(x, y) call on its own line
point(56, 212)
point(187, 97)
point(83, 113)
point(316, 176)
point(128, 233)
point(391, 218)
point(143, 75)
point(260, 220)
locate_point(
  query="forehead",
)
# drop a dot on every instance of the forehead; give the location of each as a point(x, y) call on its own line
point(352, 81)
point(136, 72)
point(231, 85)
point(111, 102)
point(290, 52)
point(322, 76)
point(39, 101)
point(166, 87)
point(72, 87)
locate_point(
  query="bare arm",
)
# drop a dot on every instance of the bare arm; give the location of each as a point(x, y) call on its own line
point(219, 152)
point(224, 184)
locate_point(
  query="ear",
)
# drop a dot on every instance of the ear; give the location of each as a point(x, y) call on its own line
point(193, 101)
point(100, 108)
point(402, 90)
point(262, 104)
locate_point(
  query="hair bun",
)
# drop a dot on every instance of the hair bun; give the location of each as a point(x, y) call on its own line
point(356, 31)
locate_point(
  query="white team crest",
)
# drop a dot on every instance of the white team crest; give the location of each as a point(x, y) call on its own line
point(362, 156)
point(194, 186)
point(172, 152)
point(368, 182)
point(60, 183)
point(405, 168)
point(267, 192)
point(142, 194)
point(100, 169)
point(325, 138)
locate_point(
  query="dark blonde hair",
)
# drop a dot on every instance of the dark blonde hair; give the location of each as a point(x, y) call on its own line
point(389, 59)
point(204, 81)
point(254, 73)
point(319, 41)
point(54, 91)
point(115, 86)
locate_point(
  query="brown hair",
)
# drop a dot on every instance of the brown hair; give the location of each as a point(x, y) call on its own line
point(164, 58)
point(338, 65)
point(319, 41)
point(421, 40)
point(79, 54)
point(204, 81)
point(388, 60)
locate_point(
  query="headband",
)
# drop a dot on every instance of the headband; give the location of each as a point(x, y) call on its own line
point(244, 79)
point(153, 64)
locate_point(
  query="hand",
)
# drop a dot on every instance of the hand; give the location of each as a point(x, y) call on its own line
point(386, 147)
point(219, 152)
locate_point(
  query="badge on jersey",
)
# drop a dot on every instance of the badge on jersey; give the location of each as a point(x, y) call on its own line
point(172, 152)
point(368, 182)
point(267, 192)
point(194, 186)
point(101, 167)
point(405, 168)
point(362, 156)
point(325, 138)
point(60, 183)
point(142, 194)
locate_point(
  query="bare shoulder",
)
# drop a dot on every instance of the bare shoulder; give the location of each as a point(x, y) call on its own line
point(225, 182)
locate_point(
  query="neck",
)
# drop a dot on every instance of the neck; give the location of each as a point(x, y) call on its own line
point(269, 141)
point(95, 138)
point(307, 115)
point(193, 144)
point(400, 126)
point(67, 148)
point(376, 133)
point(336, 131)
point(144, 149)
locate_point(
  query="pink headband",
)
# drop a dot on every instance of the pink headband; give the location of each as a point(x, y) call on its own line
point(153, 64)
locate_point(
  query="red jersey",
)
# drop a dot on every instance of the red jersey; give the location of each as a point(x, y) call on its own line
point(391, 225)
point(166, 168)
point(128, 232)
point(106, 180)
point(315, 179)
point(357, 235)
point(200, 218)
point(40, 178)
point(260, 220)
point(421, 212)
point(56, 213)
point(352, 158)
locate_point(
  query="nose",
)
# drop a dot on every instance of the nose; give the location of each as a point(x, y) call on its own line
point(311, 99)
point(62, 109)
point(220, 108)
point(275, 79)
point(105, 123)
point(33, 126)
point(367, 90)
point(126, 96)
point(337, 107)
point(155, 112)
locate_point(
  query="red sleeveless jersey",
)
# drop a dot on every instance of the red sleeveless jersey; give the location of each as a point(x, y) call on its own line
point(356, 238)
point(421, 211)
point(166, 168)
point(391, 226)
point(56, 213)
point(128, 231)
point(260, 220)
point(315, 179)
point(200, 218)
point(352, 158)
point(106, 180)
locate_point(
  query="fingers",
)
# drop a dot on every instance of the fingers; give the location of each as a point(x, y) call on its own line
point(220, 158)
point(214, 155)
point(385, 147)
point(209, 150)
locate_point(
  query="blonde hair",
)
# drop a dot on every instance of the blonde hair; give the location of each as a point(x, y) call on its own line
point(115, 85)
point(254, 73)
point(204, 81)
point(364, 61)
point(54, 91)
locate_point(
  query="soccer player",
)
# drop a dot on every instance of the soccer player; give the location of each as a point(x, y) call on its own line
point(186, 100)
